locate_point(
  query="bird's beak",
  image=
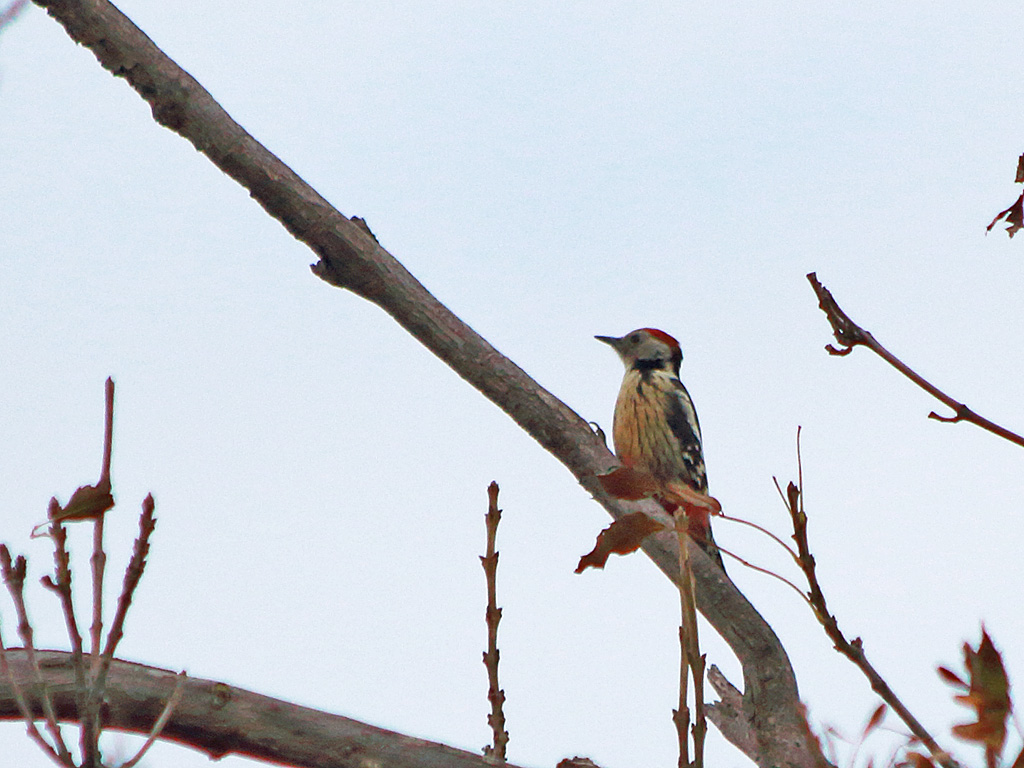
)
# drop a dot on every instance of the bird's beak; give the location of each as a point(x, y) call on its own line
point(612, 341)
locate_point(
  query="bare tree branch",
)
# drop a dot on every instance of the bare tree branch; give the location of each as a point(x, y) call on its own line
point(850, 335)
point(11, 12)
point(727, 714)
point(495, 695)
point(220, 719)
point(351, 258)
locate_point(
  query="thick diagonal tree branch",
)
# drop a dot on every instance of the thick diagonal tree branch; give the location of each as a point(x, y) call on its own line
point(221, 720)
point(350, 257)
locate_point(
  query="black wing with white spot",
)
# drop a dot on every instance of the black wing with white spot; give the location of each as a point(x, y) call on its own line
point(682, 420)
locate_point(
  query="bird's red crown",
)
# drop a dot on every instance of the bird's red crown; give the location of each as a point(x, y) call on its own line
point(671, 341)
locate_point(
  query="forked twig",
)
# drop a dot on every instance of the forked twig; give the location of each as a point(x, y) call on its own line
point(23, 707)
point(87, 503)
point(61, 585)
point(850, 335)
point(496, 696)
point(853, 650)
point(13, 572)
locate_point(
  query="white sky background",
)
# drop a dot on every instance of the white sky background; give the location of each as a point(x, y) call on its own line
point(549, 171)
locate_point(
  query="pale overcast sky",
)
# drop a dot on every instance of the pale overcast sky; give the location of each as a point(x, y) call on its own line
point(551, 172)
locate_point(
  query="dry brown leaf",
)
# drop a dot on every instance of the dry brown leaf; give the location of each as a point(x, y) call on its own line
point(86, 503)
point(685, 496)
point(699, 507)
point(629, 484)
point(988, 694)
point(1014, 216)
point(621, 537)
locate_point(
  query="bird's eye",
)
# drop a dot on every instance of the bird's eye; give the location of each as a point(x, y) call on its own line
point(634, 339)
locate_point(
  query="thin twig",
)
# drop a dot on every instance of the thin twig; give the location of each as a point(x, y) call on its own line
point(61, 585)
point(692, 660)
point(91, 724)
point(762, 529)
point(853, 650)
point(99, 565)
point(773, 537)
point(496, 718)
point(108, 432)
point(850, 335)
point(767, 572)
point(23, 707)
point(99, 557)
point(161, 721)
point(132, 575)
point(13, 573)
point(681, 715)
point(90, 729)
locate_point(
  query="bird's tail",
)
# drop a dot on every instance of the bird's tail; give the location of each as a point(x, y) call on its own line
point(706, 541)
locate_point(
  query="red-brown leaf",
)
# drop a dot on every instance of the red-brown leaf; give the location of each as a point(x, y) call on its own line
point(621, 537)
point(699, 508)
point(86, 503)
point(1014, 216)
point(630, 484)
point(988, 694)
point(694, 502)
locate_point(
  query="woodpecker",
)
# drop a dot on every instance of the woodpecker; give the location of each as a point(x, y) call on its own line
point(655, 428)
